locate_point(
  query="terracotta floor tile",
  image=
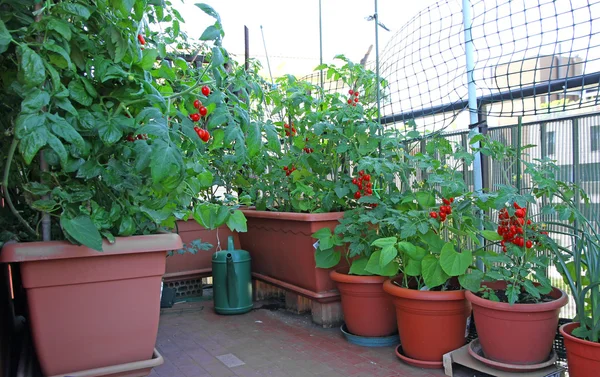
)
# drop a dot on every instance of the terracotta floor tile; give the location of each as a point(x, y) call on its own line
point(270, 343)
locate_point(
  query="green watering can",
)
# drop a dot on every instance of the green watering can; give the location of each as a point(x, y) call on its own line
point(232, 280)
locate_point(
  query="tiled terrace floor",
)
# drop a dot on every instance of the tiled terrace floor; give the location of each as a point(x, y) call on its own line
point(196, 342)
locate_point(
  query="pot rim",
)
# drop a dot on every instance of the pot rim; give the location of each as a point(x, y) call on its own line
point(522, 308)
point(341, 275)
point(49, 250)
point(295, 216)
point(413, 294)
point(566, 329)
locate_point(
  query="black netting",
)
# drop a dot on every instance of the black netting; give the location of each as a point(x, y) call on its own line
point(531, 57)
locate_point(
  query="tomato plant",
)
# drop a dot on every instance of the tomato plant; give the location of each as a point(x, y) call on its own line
point(81, 82)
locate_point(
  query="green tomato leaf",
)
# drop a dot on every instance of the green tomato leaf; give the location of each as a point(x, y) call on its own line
point(253, 140)
point(209, 10)
point(148, 59)
point(31, 66)
point(35, 101)
point(61, 27)
point(63, 129)
point(58, 147)
point(78, 93)
point(82, 230)
point(210, 34)
point(454, 263)
point(127, 226)
point(166, 165)
point(433, 274)
point(110, 132)
point(31, 144)
point(28, 123)
point(490, 235)
point(5, 38)
point(75, 10)
point(425, 199)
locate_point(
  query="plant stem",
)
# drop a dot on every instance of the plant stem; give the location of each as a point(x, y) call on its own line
point(11, 153)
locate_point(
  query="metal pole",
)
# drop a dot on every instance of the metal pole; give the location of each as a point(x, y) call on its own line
point(473, 113)
point(246, 48)
point(320, 44)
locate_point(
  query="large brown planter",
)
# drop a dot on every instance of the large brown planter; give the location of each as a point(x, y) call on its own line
point(583, 356)
point(90, 309)
point(281, 246)
point(189, 265)
point(518, 334)
point(368, 310)
point(430, 323)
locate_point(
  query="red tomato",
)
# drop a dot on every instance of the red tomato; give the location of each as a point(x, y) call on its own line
point(205, 90)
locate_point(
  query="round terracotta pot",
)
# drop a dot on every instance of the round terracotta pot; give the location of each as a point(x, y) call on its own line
point(583, 356)
point(519, 334)
point(368, 310)
point(430, 323)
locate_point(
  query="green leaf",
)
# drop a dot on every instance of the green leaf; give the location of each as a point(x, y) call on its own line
point(90, 169)
point(78, 93)
point(58, 147)
point(37, 188)
point(383, 242)
point(82, 230)
point(358, 266)
point(75, 9)
point(471, 281)
point(127, 226)
point(425, 199)
point(531, 289)
point(63, 129)
point(45, 205)
point(148, 59)
point(110, 132)
point(253, 140)
point(209, 10)
point(413, 268)
point(454, 263)
point(237, 222)
point(166, 165)
point(56, 49)
point(433, 274)
point(490, 235)
point(512, 293)
point(322, 234)
point(433, 240)
point(28, 123)
point(31, 144)
point(5, 38)
point(341, 191)
point(61, 27)
point(35, 101)
point(210, 34)
point(327, 258)
point(31, 66)
point(376, 269)
point(388, 254)
point(217, 57)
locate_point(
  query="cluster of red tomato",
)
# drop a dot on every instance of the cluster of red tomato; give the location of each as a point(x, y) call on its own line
point(289, 171)
point(202, 111)
point(287, 127)
point(511, 227)
point(353, 100)
point(132, 137)
point(363, 182)
point(444, 211)
point(203, 134)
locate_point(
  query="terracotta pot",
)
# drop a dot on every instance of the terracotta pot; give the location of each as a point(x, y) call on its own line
point(519, 334)
point(188, 265)
point(583, 356)
point(368, 310)
point(430, 323)
point(90, 309)
point(281, 246)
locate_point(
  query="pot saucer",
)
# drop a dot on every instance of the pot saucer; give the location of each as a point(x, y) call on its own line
point(370, 341)
point(418, 363)
point(476, 351)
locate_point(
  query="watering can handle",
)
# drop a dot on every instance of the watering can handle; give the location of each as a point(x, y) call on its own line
point(231, 285)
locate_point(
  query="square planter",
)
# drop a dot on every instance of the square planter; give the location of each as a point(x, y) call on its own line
point(90, 309)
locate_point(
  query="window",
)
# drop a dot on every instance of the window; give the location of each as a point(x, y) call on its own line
point(595, 138)
point(550, 143)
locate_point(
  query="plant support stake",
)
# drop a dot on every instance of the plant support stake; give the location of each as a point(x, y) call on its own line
point(472, 90)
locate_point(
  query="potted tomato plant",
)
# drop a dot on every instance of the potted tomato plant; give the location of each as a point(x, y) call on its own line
point(102, 158)
point(432, 269)
point(516, 309)
point(302, 181)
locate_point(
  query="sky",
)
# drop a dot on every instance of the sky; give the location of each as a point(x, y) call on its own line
point(291, 28)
